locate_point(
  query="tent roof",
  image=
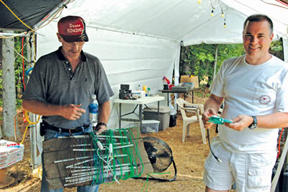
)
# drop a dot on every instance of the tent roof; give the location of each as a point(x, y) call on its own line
point(30, 12)
point(180, 20)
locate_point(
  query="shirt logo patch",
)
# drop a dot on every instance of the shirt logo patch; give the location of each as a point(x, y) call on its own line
point(264, 99)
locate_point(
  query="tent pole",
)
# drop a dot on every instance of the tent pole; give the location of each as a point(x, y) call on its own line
point(32, 129)
point(285, 49)
point(35, 159)
point(215, 61)
point(177, 64)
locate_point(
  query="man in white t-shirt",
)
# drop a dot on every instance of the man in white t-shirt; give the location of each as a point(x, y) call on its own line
point(254, 88)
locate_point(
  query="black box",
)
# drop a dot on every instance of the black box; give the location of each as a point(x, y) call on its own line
point(124, 86)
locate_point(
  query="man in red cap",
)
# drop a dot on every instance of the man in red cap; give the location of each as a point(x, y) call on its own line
point(61, 87)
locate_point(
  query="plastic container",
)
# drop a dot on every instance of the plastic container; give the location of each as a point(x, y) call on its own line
point(138, 94)
point(164, 116)
point(148, 91)
point(93, 111)
point(150, 126)
point(10, 153)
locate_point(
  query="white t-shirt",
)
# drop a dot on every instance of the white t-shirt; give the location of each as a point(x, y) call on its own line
point(251, 90)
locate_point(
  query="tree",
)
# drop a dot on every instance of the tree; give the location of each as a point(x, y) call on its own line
point(18, 71)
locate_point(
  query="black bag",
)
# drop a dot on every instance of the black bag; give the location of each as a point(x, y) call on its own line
point(172, 121)
point(42, 129)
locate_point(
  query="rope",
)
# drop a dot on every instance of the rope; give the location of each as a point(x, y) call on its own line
point(16, 16)
point(26, 116)
point(55, 16)
point(29, 124)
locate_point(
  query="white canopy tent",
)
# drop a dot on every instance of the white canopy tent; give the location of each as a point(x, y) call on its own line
point(139, 41)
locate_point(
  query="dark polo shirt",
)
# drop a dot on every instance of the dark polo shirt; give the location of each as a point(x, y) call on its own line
point(52, 81)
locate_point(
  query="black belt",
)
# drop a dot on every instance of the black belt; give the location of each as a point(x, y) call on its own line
point(44, 125)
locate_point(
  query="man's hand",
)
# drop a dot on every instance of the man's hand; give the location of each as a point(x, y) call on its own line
point(240, 122)
point(211, 108)
point(72, 111)
point(205, 117)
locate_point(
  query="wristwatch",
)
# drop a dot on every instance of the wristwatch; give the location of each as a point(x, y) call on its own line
point(100, 124)
point(253, 125)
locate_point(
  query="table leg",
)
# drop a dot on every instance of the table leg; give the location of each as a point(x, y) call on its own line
point(158, 111)
point(192, 96)
point(120, 115)
point(140, 116)
point(168, 99)
point(175, 105)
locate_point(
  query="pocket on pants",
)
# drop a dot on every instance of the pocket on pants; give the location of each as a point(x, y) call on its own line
point(260, 171)
point(258, 178)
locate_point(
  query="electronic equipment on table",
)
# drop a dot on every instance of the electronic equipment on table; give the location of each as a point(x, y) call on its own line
point(125, 92)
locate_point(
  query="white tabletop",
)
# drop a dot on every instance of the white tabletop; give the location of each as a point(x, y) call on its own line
point(144, 100)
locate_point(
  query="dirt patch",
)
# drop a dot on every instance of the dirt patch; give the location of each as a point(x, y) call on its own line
point(189, 158)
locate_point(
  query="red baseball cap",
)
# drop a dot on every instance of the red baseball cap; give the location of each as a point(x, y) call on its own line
point(72, 28)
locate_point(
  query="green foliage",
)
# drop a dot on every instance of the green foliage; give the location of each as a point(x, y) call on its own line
point(276, 49)
point(199, 59)
point(228, 51)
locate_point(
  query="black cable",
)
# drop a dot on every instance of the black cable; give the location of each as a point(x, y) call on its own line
point(160, 179)
point(208, 137)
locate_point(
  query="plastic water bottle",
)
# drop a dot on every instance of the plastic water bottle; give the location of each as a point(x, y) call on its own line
point(139, 87)
point(93, 111)
point(148, 91)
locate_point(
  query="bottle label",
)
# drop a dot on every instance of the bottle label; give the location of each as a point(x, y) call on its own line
point(93, 113)
point(93, 108)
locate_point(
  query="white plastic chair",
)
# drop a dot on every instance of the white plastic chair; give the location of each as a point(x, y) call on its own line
point(197, 109)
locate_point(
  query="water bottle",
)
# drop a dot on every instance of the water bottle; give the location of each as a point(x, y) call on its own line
point(139, 87)
point(148, 91)
point(93, 111)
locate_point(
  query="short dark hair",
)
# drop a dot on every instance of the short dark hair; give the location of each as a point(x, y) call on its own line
point(258, 18)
